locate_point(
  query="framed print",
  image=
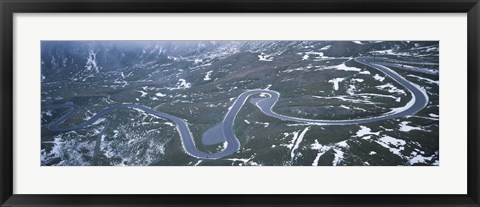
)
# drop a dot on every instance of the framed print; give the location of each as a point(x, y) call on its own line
point(200, 103)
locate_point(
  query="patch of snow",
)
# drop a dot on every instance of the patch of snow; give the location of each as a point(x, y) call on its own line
point(143, 93)
point(207, 76)
point(404, 127)
point(345, 107)
point(297, 142)
point(172, 58)
point(169, 123)
point(129, 141)
point(182, 84)
point(326, 47)
point(265, 124)
point(335, 82)
point(321, 150)
point(98, 121)
point(292, 141)
point(421, 159)
point(425, 79)
point(391, 89)
point(263, 57)
point(199, 161)
point(317, 55)
point(57, 145)
point(252, 163)
point(295, 69)
point(343, 67)
point(397, 99)
point(393, 141)
point(305, 57)
point(366, 137)
point(394, 145)
point(160, 94)
point(390, 52)
point(338, 157)
point(197, 61)
point(91, 63)
point(245, 161)
point(223, 146)
point(316, 145)
point(343, 98)
point(379, 78)
point(366, 131)
point(351, 89)
point(343, 144)
point(48, 113)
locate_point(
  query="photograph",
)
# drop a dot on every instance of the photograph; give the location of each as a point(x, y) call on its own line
point(239, 103)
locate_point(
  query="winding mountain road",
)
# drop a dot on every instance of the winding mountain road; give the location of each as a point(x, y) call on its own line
point(225, 130)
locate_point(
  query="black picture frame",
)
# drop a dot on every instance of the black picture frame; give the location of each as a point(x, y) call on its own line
point(9, 7)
